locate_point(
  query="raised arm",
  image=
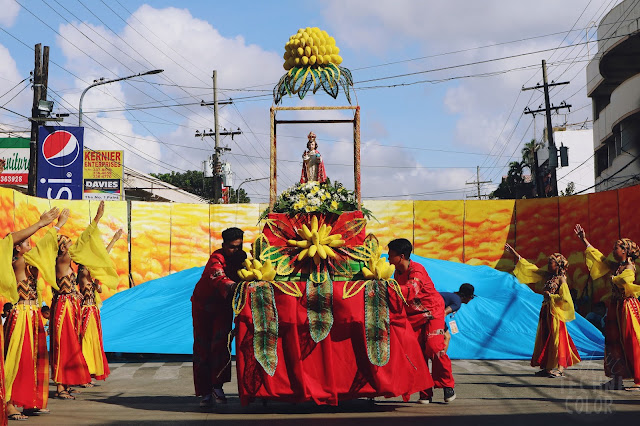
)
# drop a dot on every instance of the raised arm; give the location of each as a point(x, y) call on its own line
point(45, 219)
point(62, 219)
point(99, 213)
point(115, 238)
point(511, 250)
point(579, 230)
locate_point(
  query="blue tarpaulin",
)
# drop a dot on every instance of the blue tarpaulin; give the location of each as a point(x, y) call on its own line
point(155, 317)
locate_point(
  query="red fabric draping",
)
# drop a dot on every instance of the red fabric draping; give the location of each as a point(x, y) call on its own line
point(337, 368)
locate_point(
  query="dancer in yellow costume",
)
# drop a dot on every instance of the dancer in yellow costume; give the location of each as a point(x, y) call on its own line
point(622, 323)
point(68, 364)
point(26, 367)
point(95, 268)
point(554, 349)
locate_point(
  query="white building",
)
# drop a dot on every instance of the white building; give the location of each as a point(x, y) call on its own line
point(613, 84)
point(581, 160)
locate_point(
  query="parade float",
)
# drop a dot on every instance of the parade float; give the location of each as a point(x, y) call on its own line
point(318, 314)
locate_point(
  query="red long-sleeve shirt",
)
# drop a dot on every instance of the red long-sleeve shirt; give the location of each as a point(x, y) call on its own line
point(218, 277)
point(423, 300)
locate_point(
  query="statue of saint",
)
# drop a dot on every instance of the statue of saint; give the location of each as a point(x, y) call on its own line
point(312, 164)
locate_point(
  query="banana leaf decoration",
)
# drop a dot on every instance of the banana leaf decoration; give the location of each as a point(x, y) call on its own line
point(320, 308)
point(299, 80)
point(240, 297)
point(265, 325)
point(259, 246)
point(376, 301)
point(257, 285)
point(376, 322)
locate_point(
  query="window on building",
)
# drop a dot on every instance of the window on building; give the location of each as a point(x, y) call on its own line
point(602, 160)
point(599, 104)
point(611, 147)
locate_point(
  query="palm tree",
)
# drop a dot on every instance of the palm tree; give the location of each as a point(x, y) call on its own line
point(528, 152)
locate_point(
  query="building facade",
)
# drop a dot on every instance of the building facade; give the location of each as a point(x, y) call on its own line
point(613, 84)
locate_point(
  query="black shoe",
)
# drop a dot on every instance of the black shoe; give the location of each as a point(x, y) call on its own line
point(219, 396)
point(449, 394)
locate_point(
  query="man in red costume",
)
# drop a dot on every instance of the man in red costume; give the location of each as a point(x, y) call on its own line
point(213, 318)
point(425, 309)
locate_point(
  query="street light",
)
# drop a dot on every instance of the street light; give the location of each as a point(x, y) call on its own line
point(243, 182)
point(98, 83)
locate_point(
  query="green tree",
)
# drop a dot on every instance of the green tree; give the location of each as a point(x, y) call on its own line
point(530, 148)
point(233, 194)
point(514, 184)
point(193, 181)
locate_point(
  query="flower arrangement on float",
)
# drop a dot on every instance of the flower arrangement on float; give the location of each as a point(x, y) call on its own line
point(316, 197)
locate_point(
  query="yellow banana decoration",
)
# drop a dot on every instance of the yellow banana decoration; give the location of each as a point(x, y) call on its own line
point(317, 241)
point(300, 48)
point(378, 268)
point(256, 271)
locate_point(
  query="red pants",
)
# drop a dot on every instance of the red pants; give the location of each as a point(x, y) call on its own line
point(211, 358)
point(431, 338)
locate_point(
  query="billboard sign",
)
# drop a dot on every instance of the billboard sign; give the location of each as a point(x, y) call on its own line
point(15, 153)
point(103, 172)
point(60, 162)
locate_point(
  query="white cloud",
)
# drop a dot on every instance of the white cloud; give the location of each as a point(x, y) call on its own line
point(9, 13)
point(188, 49)
point(9, 88)
point(484, 107)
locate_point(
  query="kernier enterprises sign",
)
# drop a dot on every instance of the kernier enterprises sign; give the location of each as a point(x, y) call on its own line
point(103, 175)
point(15, 151)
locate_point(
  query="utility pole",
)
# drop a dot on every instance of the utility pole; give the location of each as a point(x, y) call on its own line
point(217, 178)
point(216, 133)
point(40, 81)
point(478, 183)
point(553, 152)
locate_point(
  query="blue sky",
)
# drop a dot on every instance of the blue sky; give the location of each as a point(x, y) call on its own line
point(422, 140)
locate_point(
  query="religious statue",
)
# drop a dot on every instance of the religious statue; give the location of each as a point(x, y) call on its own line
point(312, 164)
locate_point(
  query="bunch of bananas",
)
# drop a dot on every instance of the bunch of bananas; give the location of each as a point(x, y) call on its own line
point(311, 46)
point(379, 268)
point(256, 271)
point(317, 242)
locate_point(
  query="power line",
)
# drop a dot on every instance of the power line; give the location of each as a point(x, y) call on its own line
point(609, 177)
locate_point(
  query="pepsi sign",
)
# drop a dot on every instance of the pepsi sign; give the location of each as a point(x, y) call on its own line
point(60, 162)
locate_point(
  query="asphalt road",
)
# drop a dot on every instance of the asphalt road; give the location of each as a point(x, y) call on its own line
point(488, 392)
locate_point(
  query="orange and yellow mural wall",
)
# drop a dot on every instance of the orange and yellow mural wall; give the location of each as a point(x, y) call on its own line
point(170, 237)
